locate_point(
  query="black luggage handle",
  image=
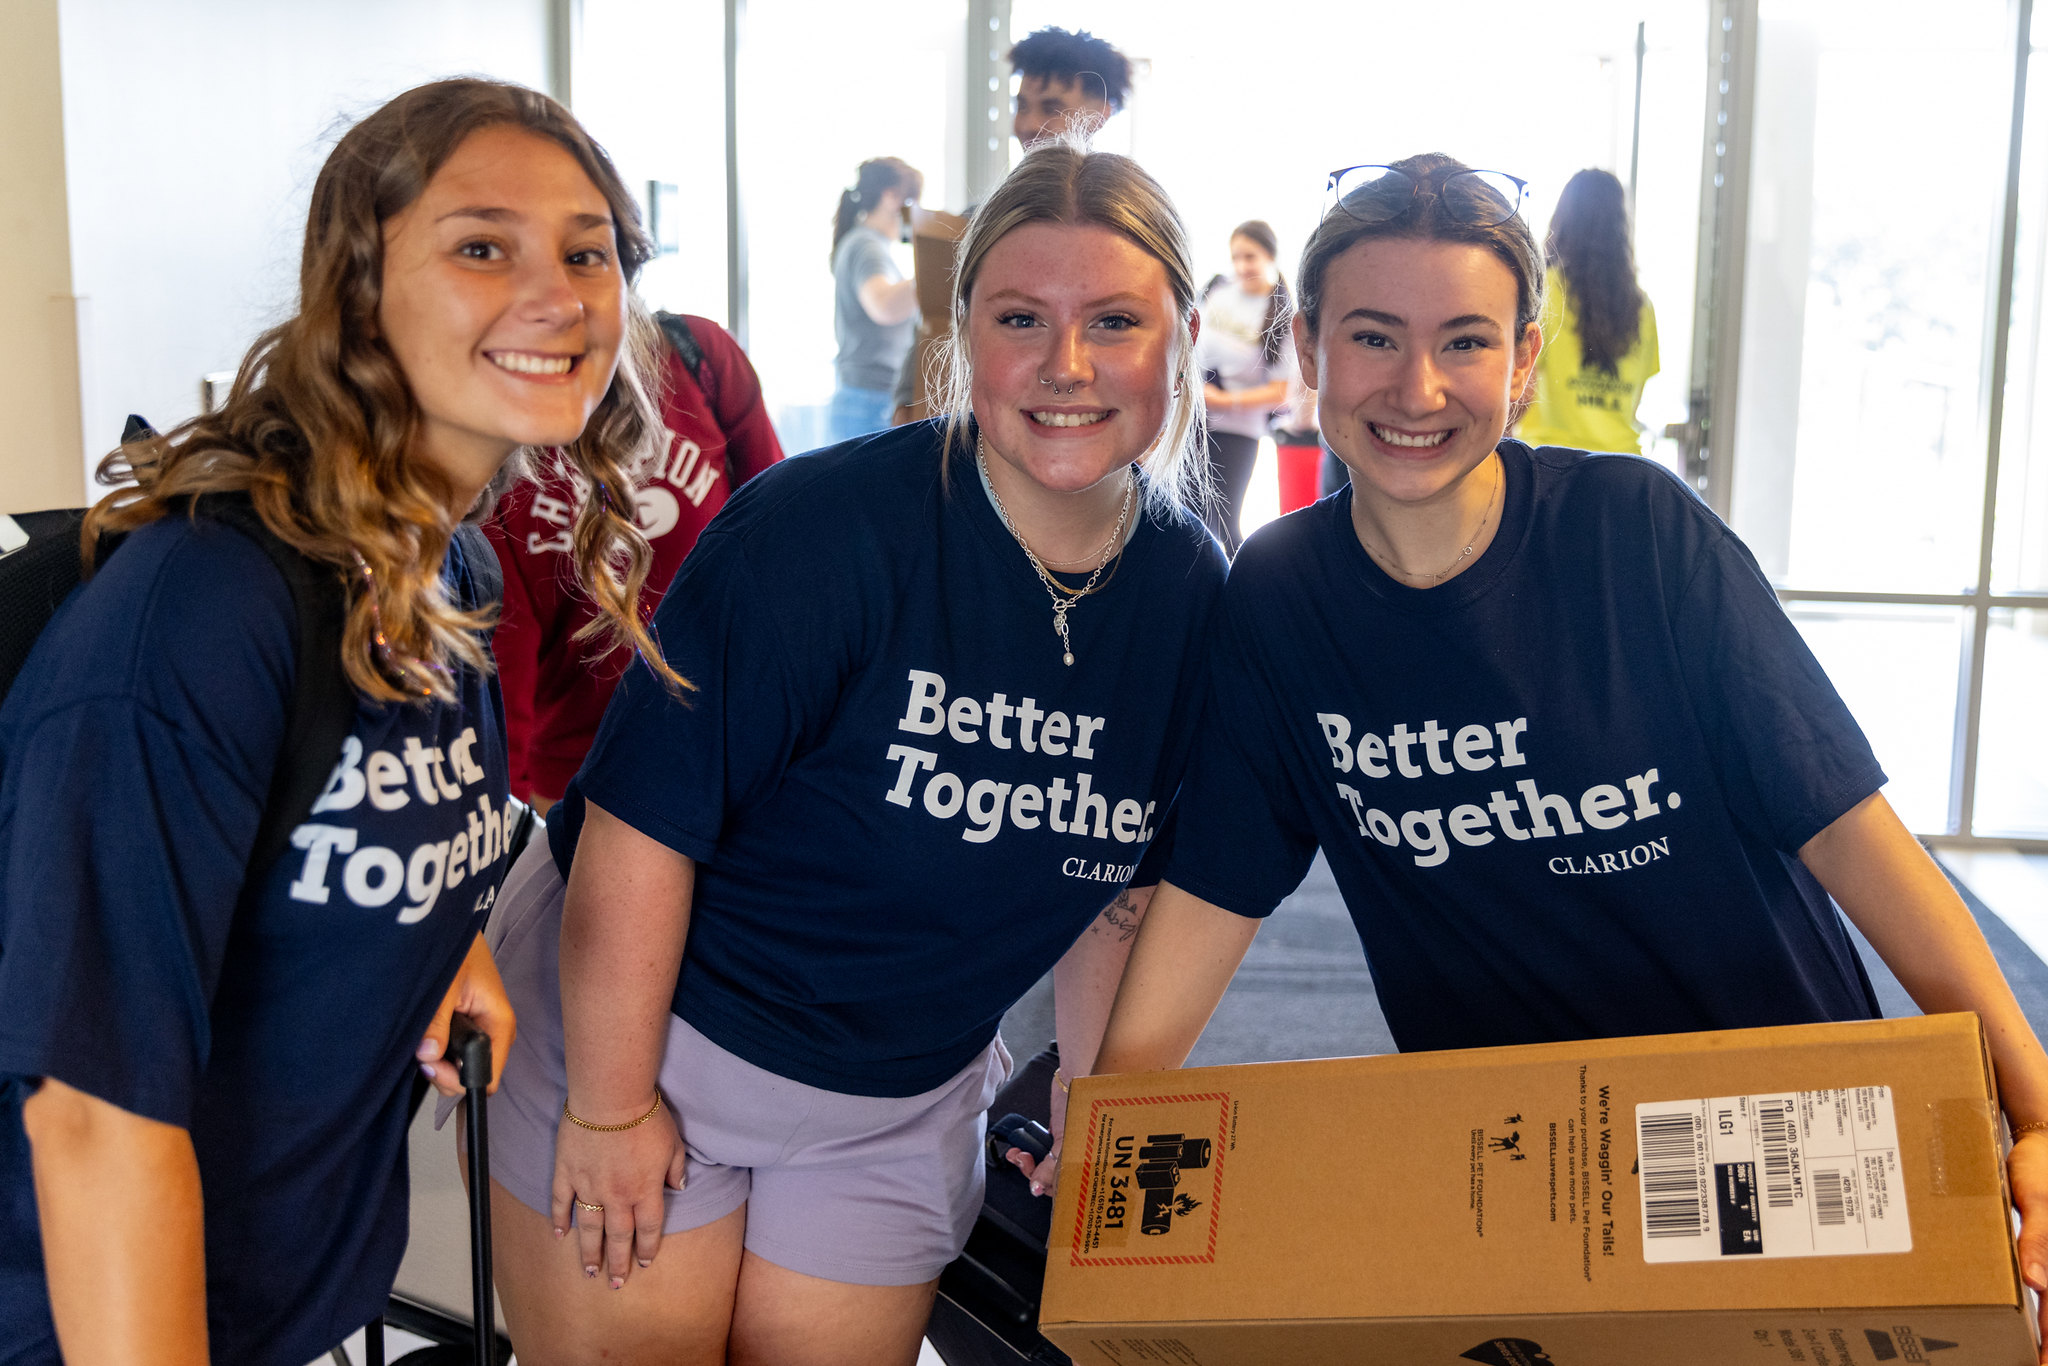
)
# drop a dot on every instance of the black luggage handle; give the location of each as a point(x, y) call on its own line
point(470, 1047)
point(469, 1050)
point(1017, 1131)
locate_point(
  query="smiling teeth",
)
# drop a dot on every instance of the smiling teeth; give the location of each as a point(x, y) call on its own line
point(524, 364)
point(1067, 419)
point(1393, 438)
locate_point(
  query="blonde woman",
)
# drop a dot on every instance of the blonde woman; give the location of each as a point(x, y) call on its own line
point(943, 687)
point(205, 1064)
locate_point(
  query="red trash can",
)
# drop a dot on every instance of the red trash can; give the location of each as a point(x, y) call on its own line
point(1300, 468)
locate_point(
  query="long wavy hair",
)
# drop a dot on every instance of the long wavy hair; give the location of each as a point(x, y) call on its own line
point(1589, 244)
point(1061, 180)
point(319, 427)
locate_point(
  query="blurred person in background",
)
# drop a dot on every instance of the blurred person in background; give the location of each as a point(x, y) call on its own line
point(873, 301)
point(1064, 79)
point(1599, 331)
point(1247, 366)
point(556, 680)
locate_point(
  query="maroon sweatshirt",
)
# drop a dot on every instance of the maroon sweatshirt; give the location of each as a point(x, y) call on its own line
point(556, 686)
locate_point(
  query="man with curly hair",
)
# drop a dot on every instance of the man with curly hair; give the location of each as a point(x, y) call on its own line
point(1064, 77)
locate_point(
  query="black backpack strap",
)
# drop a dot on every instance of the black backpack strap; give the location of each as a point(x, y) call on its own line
point(34, 582)
point(685, 342)
point(691, 352)
point(486, 576)
point(35, 579)
point(322, 709)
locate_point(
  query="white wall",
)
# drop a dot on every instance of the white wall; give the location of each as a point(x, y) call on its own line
point(192, 132)
point(38, 342)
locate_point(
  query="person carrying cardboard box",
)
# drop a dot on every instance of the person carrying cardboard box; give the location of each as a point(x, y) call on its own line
point(1576, 772)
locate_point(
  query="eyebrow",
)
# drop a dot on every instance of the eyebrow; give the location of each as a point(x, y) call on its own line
point(1020, 296)
point(1396, 320)
point(491, 215)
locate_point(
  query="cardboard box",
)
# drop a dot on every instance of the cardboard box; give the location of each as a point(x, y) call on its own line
point(1823, 1195)
point(933, 237)
point(927, 354)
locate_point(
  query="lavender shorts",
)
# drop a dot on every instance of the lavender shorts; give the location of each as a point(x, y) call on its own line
point(861, 1189)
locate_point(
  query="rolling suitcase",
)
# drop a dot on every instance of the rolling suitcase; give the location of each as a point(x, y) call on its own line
point(454, 1343)
point(986, 1313)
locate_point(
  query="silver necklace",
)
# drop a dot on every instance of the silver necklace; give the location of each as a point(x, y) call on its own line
point(1062, 596)
point(1463, 555)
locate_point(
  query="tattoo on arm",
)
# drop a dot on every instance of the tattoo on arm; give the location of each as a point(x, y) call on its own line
point(1121, 917)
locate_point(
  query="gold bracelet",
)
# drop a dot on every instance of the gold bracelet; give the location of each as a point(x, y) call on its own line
point(652, 1111)
point(1060, 1080)
point(2031, 1127)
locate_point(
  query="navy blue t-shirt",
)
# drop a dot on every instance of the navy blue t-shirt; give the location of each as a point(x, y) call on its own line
point(136, 750)
point(1560, 792)
point(903, 806)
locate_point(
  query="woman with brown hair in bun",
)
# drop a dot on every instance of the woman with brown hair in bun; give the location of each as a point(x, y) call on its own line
point(206, 1053)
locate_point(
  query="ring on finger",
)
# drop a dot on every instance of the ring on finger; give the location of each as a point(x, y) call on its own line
point(594, 1209)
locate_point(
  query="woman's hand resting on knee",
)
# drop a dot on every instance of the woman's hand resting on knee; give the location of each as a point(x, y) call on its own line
point(614, 1183)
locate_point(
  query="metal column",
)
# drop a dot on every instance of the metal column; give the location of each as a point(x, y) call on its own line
point(988, 97)
point(565, 35)
point(735, 214)
point(1970, 684)
point(1724, 226)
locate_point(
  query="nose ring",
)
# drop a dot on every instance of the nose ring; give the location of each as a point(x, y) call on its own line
point(1069, 390)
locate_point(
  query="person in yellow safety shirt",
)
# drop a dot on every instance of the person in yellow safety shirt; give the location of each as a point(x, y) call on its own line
point(1599, 332)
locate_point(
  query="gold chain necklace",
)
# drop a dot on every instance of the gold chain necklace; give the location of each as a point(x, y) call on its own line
point(1062, 596)
point(1499, 480)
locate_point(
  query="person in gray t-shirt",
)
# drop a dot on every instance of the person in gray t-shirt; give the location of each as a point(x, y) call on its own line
point(873, 301)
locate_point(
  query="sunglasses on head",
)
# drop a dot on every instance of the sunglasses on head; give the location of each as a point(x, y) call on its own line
point(1378, 194)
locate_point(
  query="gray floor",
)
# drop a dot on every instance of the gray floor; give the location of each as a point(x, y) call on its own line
point(1305, 992)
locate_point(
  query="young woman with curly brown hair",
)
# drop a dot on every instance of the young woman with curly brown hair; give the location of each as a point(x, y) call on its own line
point(205, 1064)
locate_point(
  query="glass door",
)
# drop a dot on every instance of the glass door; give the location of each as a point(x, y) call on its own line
point(1879, 261)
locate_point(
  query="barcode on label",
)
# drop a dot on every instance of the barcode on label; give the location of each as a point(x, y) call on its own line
point(1828, 1206)
point(1772, 1117)
point(1668, 1145)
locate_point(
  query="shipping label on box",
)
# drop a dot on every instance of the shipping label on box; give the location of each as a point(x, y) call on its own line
point(1153, 1171)
point(1797, 1174)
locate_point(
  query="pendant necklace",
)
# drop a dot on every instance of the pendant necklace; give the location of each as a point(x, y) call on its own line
point(1463, 555)
point(1062, 596)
